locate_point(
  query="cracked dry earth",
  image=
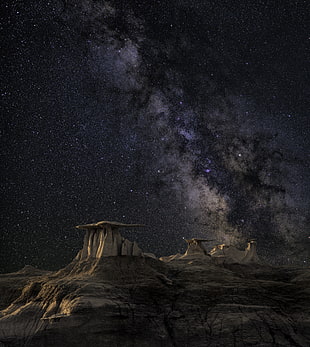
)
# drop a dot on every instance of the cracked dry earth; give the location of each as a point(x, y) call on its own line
point(139, 301)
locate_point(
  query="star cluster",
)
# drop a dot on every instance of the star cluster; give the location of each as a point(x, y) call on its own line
point(187, 116)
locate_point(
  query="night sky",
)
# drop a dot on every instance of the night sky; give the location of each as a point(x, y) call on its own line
point(188, 116)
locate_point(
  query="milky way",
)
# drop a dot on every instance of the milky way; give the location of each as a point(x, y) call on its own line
point(190, 117)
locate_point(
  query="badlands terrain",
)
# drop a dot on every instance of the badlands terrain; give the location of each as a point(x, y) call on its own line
point(114, 294)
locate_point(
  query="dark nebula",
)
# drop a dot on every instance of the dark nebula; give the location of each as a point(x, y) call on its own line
point(188, 116)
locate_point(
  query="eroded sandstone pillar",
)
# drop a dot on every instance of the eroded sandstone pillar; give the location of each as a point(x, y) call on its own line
point(103, 239)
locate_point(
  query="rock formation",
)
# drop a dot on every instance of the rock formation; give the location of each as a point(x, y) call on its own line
point(220, 254)
point(171, 257)
point(103, 239)
point(195, 247)
point(230, 254)
point(112, 296)
point(250, 255)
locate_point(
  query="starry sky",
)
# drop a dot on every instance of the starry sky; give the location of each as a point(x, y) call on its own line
point(188, 116)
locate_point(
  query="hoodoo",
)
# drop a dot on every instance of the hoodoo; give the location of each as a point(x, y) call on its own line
point(230, 254)
point(109, 295)
point(195, 247)
point(103, 239)
point(219, 254)
point(250, 253)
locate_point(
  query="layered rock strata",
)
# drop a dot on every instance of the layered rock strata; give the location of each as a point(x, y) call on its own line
point(107, 298)
point(103, 239)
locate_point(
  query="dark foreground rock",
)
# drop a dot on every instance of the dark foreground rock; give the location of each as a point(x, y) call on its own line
point(140, 301)
point(114, 295)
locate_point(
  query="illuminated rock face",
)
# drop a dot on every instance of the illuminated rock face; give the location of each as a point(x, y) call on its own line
point(195, 250)
point(103, 239)
point(230, 254)
point(250, 254)
point(195, 246)
point(101, 299)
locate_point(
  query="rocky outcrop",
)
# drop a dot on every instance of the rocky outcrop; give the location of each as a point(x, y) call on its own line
point(195, 247)
point(136, 301)
point(250, 255)
point(220, 254)
point(103, 239)
point(150, 255)
point(171, 257)
point(230, 254)
point(12, 284)
point(127, 300)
